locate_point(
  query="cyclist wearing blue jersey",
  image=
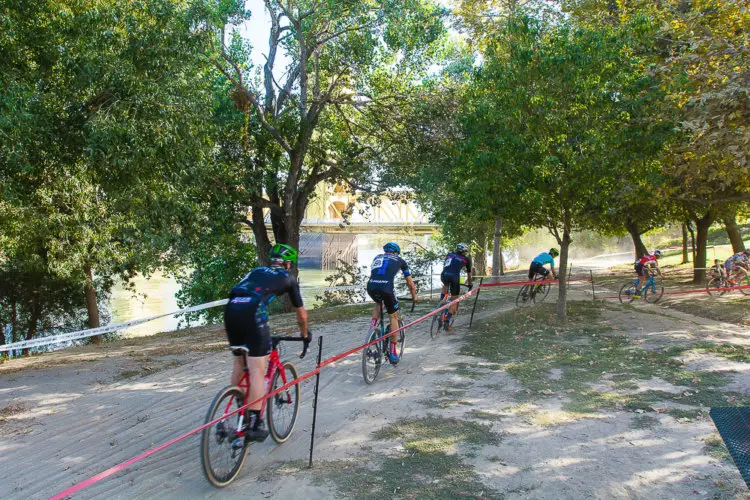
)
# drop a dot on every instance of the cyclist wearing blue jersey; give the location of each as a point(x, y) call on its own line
point(246, 323)
point(544, 258)
point(451, 276)
point(383, 272)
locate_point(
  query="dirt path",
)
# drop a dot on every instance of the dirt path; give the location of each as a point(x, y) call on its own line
point(63, 424)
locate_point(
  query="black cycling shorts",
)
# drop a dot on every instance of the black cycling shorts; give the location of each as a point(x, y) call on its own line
point(453, 282)
point(639, 269)
point(243, 328)
point(537, 268)
point(387, 297)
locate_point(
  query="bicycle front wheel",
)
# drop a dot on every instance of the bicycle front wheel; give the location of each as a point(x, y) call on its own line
point(371, 357)
point(222, 452)
point(745, 282)
point(714, 287)
point(523, 296)
point(542, 292)
point(283, 407)
point(401, 339)
point(436, 325)
point(626, 293)
point(653, 292)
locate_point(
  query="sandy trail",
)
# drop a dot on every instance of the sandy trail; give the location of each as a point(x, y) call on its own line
point(77, 424)
point(74, 422)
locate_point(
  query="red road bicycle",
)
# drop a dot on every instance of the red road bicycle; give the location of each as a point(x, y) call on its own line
point(223, 445)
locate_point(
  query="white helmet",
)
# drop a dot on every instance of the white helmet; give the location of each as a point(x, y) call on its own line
point(657, 253)
point(462, 248)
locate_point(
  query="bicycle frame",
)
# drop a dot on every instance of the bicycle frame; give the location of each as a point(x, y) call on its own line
point(274, 363)
point(649, 283)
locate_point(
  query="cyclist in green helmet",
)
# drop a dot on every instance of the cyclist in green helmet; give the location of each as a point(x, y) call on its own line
point(246, 323)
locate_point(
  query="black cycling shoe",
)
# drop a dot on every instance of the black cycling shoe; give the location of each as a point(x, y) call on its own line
point(259, 434)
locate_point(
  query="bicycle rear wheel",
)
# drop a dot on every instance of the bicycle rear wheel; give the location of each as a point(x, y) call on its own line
point(371, 358)
point(523, 296)
point(653, 292)
point(714, 284)
point(222, 456)
point(283, 407)
point(626, 293)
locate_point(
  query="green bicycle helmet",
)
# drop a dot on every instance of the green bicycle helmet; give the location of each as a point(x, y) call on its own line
point(283, 252)
point(553, 252)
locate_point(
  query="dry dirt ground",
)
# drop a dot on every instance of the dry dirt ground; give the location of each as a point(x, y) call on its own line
point(611, 405)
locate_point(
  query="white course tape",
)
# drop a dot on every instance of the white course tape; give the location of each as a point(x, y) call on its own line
point(82, 334)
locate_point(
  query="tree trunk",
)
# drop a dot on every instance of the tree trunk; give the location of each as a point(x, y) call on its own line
point(497, 250)
point(733, 231)
point(14, 322)
point(635, 233)
point(699, 265)
point(685, 255)
point(480, 258)
point(562, 273)
point(91, 306)
point(262, 242)
point(36, 313)
point(692, 239)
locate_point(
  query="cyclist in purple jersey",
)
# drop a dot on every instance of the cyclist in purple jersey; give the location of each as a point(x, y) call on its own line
point(451, 276)
point(383, 272)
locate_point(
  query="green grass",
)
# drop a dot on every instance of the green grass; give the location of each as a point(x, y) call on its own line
point(528, 344)
point(427, 468)
point(715, 447)
point(728, 351)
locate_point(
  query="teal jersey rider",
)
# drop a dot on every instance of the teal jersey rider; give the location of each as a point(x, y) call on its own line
point(544, 258)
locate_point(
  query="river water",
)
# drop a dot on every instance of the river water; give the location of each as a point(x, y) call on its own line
point(156, 295)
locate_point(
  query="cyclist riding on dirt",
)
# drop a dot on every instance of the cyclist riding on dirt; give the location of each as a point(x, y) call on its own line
point(643, 264)
point(538, 263)
point(246, 323)
point(737, 267)
point(451, 277)
point(380, 288)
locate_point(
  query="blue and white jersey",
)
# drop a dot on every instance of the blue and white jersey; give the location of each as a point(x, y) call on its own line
point(384, 269)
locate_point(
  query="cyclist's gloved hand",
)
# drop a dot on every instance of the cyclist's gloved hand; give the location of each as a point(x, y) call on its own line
point(471, 286)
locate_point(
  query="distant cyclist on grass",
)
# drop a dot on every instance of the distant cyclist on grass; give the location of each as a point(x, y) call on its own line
point(737, 267)
point(246, 323)
point(642, 265)
point(451, 277)
point(380, 288)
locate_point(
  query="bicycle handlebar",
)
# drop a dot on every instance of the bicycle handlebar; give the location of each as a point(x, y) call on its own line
point(276, 339)
point(413, 302)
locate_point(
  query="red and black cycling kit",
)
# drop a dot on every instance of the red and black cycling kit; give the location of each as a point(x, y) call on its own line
point(451, 275)
point(642, 262)
point(383, 271)
point(246, 313)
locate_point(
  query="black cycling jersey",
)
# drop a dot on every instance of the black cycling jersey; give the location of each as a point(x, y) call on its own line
point(246, 313)
point(266, 283)
point(454, 262)
point(384, 269)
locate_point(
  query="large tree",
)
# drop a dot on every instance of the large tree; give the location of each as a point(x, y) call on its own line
point(101, 127)
point(564, 93)
point(328, 113)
